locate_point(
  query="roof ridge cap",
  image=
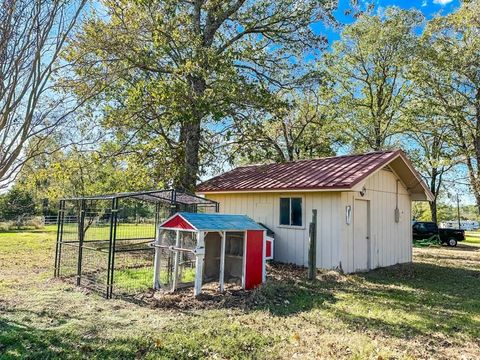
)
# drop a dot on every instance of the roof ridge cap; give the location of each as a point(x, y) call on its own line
point(323, 158)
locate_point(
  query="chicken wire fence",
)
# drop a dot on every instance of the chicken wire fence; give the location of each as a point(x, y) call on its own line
point(182, 254)
point(103, 242)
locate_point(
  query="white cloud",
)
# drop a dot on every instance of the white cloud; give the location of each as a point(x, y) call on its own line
point(424, 3)
point(442, 2)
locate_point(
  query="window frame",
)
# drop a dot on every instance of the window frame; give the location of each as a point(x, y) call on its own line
point(302, 208)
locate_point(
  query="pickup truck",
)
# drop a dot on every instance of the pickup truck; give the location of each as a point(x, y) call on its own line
point(425, 230)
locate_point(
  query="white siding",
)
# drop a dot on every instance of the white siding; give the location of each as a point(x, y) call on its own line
point(391, 242)
point(291, 244)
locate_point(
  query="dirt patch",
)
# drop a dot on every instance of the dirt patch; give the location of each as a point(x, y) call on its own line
point(332, 276)
point(233, 296)
point(211, 298)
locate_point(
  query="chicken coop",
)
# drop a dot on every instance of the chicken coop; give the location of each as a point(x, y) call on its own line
point(104, 242)
point(192, 249)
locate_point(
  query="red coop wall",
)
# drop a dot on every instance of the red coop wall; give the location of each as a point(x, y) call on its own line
point(254, 259)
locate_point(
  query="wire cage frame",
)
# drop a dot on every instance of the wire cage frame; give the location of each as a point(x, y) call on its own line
point(103, 242)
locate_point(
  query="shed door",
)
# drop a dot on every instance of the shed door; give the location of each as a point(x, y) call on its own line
point(361, 242)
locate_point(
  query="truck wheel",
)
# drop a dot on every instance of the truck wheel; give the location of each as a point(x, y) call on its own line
point(452, 242)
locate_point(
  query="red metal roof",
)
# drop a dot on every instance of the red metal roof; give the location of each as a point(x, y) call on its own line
point(339, 172)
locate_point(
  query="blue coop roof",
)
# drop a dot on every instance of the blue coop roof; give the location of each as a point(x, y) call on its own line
point(216, 222)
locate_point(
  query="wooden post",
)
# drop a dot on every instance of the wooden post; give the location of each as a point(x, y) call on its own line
point(200, 255)
point(156, 266)
point(176, 262)
point(312, 247)
point(222, 262)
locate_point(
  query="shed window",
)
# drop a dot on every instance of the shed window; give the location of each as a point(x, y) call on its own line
point(291, 211)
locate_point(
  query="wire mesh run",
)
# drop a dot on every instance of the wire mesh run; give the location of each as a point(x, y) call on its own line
point(183, 253)
point(103, 241)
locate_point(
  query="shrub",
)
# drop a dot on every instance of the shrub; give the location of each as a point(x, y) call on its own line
point(6, 225)
point(17, 203)
point(35, 222)
point(23, 223)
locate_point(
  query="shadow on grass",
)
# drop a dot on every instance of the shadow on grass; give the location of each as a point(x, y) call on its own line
point(400, 301)
point(463, 247)
point(421, 298)
point(19, 340)
point(289, 297)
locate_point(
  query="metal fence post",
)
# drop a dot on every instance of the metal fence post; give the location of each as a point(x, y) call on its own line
point(312, 248)
point(58, 247)
point(81, 237)
point(111, 247)
point(173, 203)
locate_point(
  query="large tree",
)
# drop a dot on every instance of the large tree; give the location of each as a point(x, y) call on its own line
point(449, 73)
point(174, 68)
point(74, 172)
point(300, 127)
point(367, 67)
point(32, 35)
point(429, 143)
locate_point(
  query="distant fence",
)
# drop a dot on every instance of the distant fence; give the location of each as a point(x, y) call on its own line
point(469, 225)
point(50, 219)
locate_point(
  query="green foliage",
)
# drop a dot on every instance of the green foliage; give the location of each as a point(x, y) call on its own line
point(366, 72)
point(446, 74)
point(421, 211)
point(16, 203)
point(72, 172)
point(178, 87)
point(299, 128)
point(429, 139)
point(164, 73)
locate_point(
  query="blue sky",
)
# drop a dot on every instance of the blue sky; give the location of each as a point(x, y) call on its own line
point(429, 8)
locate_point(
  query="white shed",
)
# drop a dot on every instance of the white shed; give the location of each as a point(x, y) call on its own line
point(363, 203)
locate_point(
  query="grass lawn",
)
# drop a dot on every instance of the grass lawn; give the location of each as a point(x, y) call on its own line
point(472, 238)
point(430, 309)
point(102, 231)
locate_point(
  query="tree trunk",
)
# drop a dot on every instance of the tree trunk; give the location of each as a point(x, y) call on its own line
point(474, 166)
point(434, 189)
point(433, 210)
point(378, 141)
point(473, 173)
point(191, 131)
point(190, 135)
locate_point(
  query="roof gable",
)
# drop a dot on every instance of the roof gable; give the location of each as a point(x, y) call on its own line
point(177, 222)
